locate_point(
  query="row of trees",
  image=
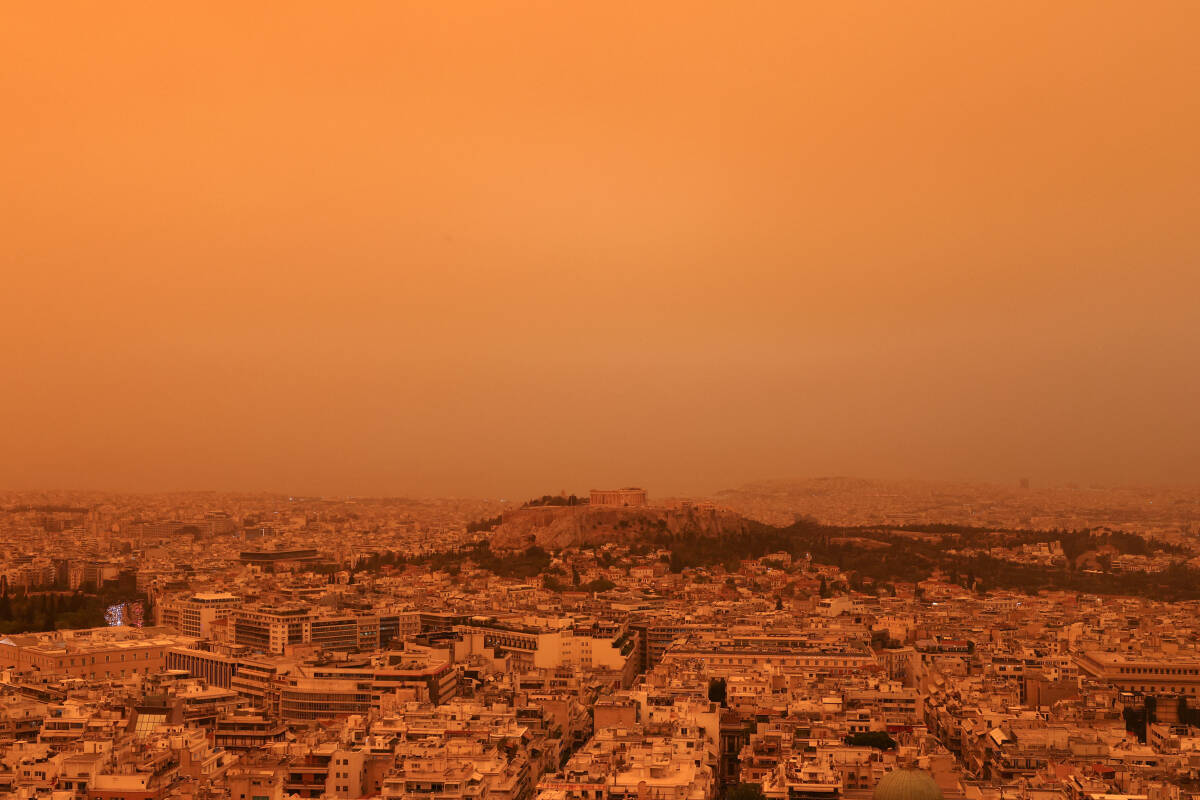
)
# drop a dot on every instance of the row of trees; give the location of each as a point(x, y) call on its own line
point(556, 500)
point(555, 585)
point(485, 525)
point(47, 611)
point(905, 558)
point(26, 612)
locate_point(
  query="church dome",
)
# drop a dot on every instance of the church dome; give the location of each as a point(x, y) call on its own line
point(907, 784)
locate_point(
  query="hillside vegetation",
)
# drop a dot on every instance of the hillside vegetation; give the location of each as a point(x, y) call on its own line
point(871, 556)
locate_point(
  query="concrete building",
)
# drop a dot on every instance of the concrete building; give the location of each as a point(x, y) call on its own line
point(194, 616)
point(90, 652)
point(1148, 673)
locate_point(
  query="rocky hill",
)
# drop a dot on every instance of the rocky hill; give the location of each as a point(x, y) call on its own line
point(555, 527)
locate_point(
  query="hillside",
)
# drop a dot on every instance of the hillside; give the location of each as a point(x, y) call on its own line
point(976, 558)
point(556, 527)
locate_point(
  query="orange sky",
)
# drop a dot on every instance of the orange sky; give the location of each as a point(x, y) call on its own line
point(505, 248)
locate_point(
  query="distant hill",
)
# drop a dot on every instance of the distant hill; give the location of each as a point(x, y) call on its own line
point(860, 501)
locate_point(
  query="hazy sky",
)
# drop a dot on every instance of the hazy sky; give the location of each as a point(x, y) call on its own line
point(505, 248)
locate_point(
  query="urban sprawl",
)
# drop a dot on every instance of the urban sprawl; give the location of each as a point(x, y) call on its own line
point(604, 646)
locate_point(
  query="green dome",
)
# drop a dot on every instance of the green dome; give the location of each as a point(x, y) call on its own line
point(907, 784)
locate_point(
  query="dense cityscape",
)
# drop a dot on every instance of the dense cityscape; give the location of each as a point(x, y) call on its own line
point(599, 400)
point(604, 646)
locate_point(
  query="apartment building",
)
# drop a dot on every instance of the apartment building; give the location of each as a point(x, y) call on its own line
point(193, 616)
point(274, 629)
point(787, 653)
point(541, 643)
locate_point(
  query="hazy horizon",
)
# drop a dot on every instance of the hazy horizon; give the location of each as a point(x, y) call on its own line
point(532, 493)
point(494, 250)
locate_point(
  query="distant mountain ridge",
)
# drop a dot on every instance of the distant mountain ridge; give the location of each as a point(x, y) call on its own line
point(864, 501)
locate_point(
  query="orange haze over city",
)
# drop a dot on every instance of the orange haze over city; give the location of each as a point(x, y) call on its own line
point(506, 248)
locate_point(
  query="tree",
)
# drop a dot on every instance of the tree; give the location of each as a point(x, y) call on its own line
point(745, 791)
point(717, 690)
point(1135, 721)
point(824, 590)
point(877, 739)
point(189, 531)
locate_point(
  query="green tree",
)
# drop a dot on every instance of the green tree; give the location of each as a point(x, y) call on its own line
point(745, 791)
point(877, 739)
point(717, 690)
point(598, 585)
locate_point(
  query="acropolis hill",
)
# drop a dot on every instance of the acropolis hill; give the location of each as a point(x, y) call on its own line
point(555, 527)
